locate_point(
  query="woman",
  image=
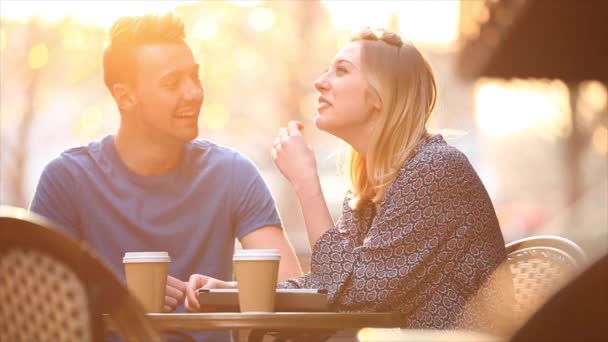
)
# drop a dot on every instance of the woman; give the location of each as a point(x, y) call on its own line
point(418, 232)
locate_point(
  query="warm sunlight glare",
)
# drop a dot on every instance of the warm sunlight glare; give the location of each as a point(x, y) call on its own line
point(600, 140)
point(308, 105)
point(592, 100)
point(90, 122)
point(247, 60)
point(94, 12)
point(3, 42)
point(244, 3)
point(352, 15)
point(205, 29)
point(595, 94)
point(434, 22)
point(38, 56)
point(503, 108)
point(214, 116)
point(261, 19)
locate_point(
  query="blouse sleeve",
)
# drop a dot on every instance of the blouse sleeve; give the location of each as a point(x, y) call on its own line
point(435, 226)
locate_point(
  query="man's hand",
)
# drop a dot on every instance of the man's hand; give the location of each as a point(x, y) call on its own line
point(175, 293)
point(198, 281)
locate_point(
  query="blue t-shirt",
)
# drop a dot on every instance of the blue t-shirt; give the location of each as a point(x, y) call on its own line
point(194, 212)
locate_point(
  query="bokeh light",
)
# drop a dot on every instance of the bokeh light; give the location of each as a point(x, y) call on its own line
point(205, 29)
point(247, 60)
point(244, 3)
point(90, 122)
point(594, 94)
point(434, 22)
point(600, 140)
point(261, 19)
point(3, 40)
point(38, 56)
point(506, 108)
point(214, 116)
point(90, 12)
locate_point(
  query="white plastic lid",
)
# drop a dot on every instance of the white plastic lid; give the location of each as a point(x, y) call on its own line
point(146, 257)
point(257, 254)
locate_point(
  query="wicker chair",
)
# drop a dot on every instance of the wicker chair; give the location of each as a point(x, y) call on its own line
point(540, 266)
point(53, 288)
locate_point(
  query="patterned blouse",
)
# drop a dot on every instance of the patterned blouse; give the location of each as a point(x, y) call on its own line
point(427, 250)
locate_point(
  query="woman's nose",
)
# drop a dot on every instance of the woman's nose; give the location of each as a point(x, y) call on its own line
point(321, 84)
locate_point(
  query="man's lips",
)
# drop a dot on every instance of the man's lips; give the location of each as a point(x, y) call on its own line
point(186, 113)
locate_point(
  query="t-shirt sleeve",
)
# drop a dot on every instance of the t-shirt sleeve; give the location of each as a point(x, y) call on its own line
point(53, 199)
point(253, 204)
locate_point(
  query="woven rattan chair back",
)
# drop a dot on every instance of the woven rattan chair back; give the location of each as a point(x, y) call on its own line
point(54, 288)
point(540, 266)
point(42, 299)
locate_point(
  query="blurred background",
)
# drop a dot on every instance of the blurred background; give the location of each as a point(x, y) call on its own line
point(522, 92)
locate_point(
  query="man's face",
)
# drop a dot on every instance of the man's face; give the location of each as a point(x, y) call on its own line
point(168, 92)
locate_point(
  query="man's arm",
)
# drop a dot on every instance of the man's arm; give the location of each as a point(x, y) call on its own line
point(274, 237)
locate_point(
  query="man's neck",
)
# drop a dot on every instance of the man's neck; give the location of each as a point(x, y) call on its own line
point(146, 157)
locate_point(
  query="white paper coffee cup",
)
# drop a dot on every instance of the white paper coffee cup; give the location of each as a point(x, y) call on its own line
point(136, 257)
point(146, 274)
point(256, 274)
point(257, 254)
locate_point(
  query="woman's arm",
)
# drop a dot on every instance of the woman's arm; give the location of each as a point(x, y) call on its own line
point(435, 230)
point(296, 161)
point(314, 209)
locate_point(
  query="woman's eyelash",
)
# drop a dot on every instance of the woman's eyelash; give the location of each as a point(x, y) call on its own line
point(338, 69)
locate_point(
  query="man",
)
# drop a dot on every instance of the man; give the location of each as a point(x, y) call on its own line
point(152, 186)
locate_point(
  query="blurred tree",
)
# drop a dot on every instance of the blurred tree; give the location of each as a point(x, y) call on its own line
point(16, 145)
point(50, 75)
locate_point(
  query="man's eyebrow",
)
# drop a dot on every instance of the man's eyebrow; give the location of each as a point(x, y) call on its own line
point(179, 72)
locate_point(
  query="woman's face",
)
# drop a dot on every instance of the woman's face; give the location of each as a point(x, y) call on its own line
point(347, 103)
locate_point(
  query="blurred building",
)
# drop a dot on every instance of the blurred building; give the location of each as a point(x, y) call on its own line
point(563, 43)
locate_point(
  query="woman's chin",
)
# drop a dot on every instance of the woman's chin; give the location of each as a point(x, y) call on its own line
point(321, 122)
point(325, 124)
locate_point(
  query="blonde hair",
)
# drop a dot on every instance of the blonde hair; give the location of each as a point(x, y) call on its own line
point(405, 83)
point(129, 33)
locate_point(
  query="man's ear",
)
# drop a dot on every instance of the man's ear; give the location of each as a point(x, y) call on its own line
point(124, 96)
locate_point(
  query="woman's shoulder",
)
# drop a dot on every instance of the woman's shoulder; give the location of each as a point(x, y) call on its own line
point(434, 153)
point(435, 148)
point(435, 161)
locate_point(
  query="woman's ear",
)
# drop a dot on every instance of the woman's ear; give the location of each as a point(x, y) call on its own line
point(377, 102)
point(125, 99)
point(374, 99)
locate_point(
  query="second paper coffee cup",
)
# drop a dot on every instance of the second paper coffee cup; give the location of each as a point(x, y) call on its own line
point(256, 274)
